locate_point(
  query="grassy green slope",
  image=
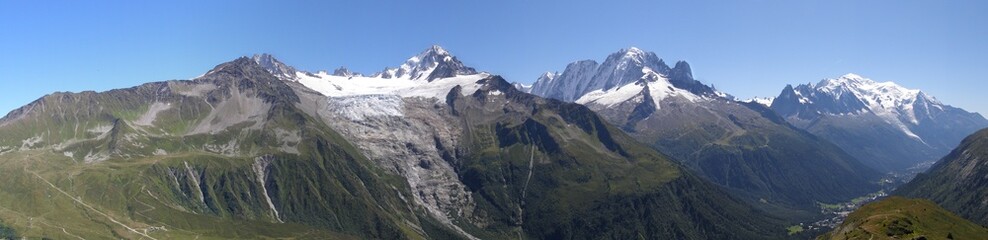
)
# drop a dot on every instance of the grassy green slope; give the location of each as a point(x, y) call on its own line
point(902, 218)
point(206, 185)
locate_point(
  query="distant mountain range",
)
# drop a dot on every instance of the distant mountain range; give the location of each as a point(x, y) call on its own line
point(432, 149)
point(886, 126)
point(744, 147)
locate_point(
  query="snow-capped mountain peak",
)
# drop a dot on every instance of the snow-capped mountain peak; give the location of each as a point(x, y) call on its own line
point(852, 94)
point(877, 96)
point(633, 53)
point(431, 55)
point(621, 76)
point(851, 108)
point(548, 76)
point(623, 67)
point(433, 63)
point(430, 74)
point(651, 86)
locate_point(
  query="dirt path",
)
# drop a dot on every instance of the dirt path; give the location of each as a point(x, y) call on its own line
point(79, 200)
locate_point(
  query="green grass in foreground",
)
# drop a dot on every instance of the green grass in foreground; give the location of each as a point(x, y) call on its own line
point(794, 229)
point(903, 218)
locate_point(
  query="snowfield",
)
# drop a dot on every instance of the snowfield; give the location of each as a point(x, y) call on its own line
point(337, 86)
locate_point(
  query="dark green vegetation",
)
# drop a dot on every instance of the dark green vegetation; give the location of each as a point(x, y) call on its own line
point(902, 218)
point(959, 181)
point(7, 232)
point(234, 155)
point(558, 171)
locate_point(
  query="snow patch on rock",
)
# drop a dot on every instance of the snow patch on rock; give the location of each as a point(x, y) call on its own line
point(29, 143)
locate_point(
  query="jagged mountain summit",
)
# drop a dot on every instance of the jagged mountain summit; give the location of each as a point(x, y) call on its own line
point(431, 64)
point(248, 152)
point(889, 127)
point(623, 68)
point(744, 147)
point(277, 68)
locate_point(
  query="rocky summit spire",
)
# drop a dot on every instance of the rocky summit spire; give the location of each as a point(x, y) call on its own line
point(344, 72)
point(433, 63)
point(275, 67)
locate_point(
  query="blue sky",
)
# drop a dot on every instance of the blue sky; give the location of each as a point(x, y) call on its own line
point(746, 48)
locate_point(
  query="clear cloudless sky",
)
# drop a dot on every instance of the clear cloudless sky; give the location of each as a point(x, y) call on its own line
point(747, 48)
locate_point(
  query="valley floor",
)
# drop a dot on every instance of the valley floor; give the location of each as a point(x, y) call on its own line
point(832, 215)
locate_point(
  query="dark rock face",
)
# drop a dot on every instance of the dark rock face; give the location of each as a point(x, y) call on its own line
point(791, 103)
point(247, 74)
point(275, 67)
point(681, 76)
point(642, 111)
point(344, 72)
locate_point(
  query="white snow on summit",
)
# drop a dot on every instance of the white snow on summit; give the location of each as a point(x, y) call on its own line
point(430, 74)
point(878, 95)
point(523, 87)
point(764, 101)
point(888, 100)
point(336, 86)
point(416, 77)
point(425, 64)
point(659, 88)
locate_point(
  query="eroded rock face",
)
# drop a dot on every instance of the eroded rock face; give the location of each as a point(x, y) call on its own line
point(411, 137)
point(417, 145)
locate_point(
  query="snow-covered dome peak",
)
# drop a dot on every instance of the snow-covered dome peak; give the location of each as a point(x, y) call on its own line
point(633, 50)
point(852, 76)
point(634, 54)
point(846, 80)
